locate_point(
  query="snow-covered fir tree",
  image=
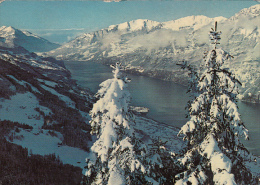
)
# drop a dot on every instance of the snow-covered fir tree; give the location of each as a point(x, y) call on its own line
point(119, 156)
point(214, 154)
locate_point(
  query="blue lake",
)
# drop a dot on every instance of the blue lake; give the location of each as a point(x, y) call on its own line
point(166, 100)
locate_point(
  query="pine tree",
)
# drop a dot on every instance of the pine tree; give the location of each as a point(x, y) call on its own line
point(119, 156)
point(214, 154)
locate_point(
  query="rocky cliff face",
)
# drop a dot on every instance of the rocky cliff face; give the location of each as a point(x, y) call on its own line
point(153, 49)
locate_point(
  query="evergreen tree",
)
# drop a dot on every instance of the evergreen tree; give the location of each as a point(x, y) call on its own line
point(119, 156)
point(214, 153)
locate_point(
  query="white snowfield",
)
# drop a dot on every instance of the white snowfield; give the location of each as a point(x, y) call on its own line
point(41, 142)
point(21, 108)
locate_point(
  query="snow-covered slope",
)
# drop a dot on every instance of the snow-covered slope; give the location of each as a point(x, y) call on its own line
point(10, 36)
point(153, 49)
point(40, 93)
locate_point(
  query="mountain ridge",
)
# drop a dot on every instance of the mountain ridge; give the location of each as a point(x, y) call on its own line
point(155, 49)
point(252, 11)
point(194, 22)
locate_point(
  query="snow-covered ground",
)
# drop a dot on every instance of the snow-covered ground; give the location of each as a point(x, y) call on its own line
point(21, 108)
point(40, 141)
point(154, 129)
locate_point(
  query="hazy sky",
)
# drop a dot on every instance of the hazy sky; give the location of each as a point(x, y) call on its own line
point(60, 21)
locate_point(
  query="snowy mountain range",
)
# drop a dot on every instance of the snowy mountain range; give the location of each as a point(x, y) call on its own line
point(152, 48)
point(10, 37)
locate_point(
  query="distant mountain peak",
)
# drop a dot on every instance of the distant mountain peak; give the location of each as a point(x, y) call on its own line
point(8, 29)
point(11, 37)
point(252, 11)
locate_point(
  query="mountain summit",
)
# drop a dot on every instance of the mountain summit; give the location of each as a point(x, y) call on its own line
point(10, 37)
point(251, 12)
point(136, 25)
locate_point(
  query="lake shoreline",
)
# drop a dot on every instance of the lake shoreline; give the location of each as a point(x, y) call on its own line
point(169, 76)
point(166, 100)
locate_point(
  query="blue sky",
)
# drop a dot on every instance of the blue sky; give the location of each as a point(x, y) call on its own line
point(59, 21)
